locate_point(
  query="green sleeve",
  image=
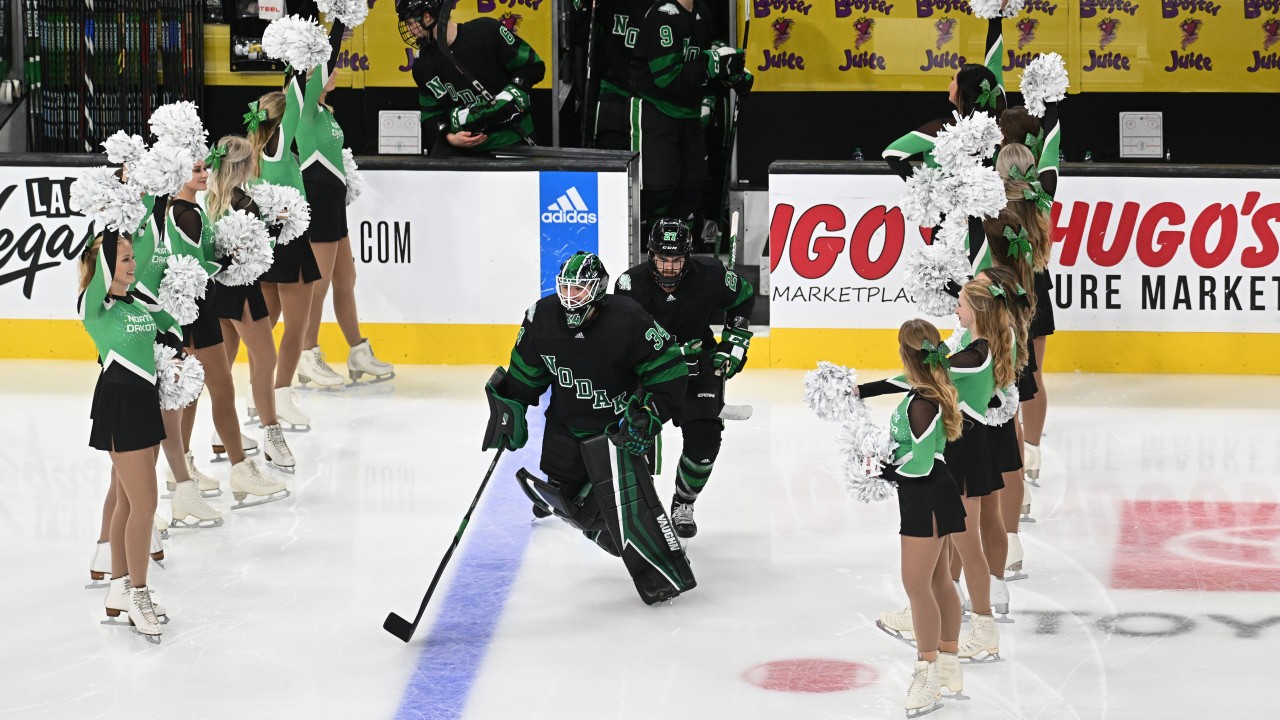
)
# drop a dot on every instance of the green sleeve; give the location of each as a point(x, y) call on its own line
point(521, 61)
point(912, 144)
point(96, 294)
point(293, 103)
point(660, 367)
point(995, 50)
point(320, 78)
point(1048, 166)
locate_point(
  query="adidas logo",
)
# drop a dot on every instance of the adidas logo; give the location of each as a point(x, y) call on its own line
point(671, 298)
point(580, 335)
point(570, 208)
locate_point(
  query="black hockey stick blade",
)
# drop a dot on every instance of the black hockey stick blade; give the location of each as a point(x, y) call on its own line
point(397, 625)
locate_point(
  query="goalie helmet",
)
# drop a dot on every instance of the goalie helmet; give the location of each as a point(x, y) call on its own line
point(669, 238)
point(409, 12)
point(580, 284)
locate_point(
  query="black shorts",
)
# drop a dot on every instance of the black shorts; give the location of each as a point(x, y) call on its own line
point(1005, 445)
point(1042, 322)
point(230, 300)
point(971, 460)
point(205, 331)
point(921, 501)
point(294, 262)
point(126, 416)
point(327, 196)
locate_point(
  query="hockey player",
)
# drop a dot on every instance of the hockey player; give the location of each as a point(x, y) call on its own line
point(685, 294)
point(618, 25)
point(673, 61)
point(615, 376)
point(483, 108)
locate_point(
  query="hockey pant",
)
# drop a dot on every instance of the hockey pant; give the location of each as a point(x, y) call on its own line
point(673, 162)
point(702, 429)
point(613, 125)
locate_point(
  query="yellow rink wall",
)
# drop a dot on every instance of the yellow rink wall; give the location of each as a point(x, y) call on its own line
point(1119, 352)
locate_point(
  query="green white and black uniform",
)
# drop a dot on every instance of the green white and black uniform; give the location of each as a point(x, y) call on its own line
point(278, 164)
point(232, 300)
point(618, 25)
point(126, 402)
point(189, 232)
point(927, 494)
point(320, 140)
point(497, 58)
point(152, 251)
point(706, 292)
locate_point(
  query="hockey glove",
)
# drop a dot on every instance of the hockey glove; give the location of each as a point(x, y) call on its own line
point(743, 82)
point(507, 424)
point(708, 104)
point(639, 425)
point(724, 61)
point(731, 353)
point(692, 352)
point(505, 107)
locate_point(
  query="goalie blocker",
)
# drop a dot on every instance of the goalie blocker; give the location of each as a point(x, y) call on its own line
point(620, 504)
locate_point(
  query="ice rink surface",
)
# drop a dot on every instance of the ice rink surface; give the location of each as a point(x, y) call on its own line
point(1154, 564)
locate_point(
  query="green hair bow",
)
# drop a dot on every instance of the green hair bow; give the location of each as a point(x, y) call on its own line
point(988, 96)
point(935, 355)
point(1043, 200)
point(997, 291)
point(1022, 292)
point(254, 117)
point(1016, 174)
point(214, 160)
point(1035, 143)
point(1019, 243)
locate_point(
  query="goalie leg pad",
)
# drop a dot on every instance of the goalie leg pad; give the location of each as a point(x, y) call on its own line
point(578, 509)
point(636, 519)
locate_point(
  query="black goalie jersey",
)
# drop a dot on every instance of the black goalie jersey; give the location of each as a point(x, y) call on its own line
point(592, 370)
point(706, 290)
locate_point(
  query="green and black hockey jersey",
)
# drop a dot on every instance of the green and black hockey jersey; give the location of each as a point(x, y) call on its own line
point(706, 290)
point(619, 29)
point(491, 53)
point(593, 370)
point(668, 68)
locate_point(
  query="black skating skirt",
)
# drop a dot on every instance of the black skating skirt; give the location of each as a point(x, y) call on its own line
point(328, 198)
point(1027, 386)
point(921, 501)
point(1004, 442)
point(294, 262)
point(1042, 321)
point(205, 331)
point(230, 301)
point(126, 416)
point(971, 460)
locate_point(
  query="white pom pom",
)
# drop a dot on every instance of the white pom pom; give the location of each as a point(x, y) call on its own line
point(968, 139)
point(978, 191)
point(922, 203)
point(355, 178)
point(867, 448)
point(990, 9)
point(184, 282)
point(831, 392)
point(928, 270)
point(181, 381)
point(297, 41)
point(109, 203)
point(1044, 80)
point(123, 148)
point(178, 124)
point(352, 13)
point(243, 238)
point(275, 201)
point(1008, 397)
point(163, 170)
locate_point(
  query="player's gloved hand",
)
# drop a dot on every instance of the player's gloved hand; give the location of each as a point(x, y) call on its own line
point(692, 352)
point(742, 82)
point(507, 424)
point(708, 104)
point(638, 427)
point(505, 107)
point(731, 353)
point(724, 61)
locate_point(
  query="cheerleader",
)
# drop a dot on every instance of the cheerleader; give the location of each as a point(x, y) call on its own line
point(320, 141)
point(188, 227)
point(272, 124)
point(126, 419)
point(930, 509)
point(242, 311)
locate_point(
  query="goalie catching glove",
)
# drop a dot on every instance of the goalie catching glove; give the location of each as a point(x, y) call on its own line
point(731, 353)
point(505, 107)
point(639, 425)
point(507, 424)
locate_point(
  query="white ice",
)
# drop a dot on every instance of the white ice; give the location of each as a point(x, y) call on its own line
point(279, 613)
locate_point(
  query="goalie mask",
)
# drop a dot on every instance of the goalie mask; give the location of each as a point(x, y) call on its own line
point(580, 284)
point(671, 240)
point(410, 12)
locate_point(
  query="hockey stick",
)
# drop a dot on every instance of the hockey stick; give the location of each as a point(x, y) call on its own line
point(442, 42)
point(404, 629)
point(732, 412)
point(587, 109)
point(731, 132)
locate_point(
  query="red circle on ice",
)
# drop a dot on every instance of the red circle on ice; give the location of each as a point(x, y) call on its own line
point(811, 675)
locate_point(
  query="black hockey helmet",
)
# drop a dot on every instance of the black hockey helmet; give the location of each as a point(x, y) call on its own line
point(411, 11)
point(670, 238)
point(580, 284)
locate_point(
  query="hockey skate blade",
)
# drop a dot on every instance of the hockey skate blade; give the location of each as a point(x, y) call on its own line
point(213, 523)
point(895, 634)
point(921, 712)
point(398, 626)
point(241, 504)
point(736, 412)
